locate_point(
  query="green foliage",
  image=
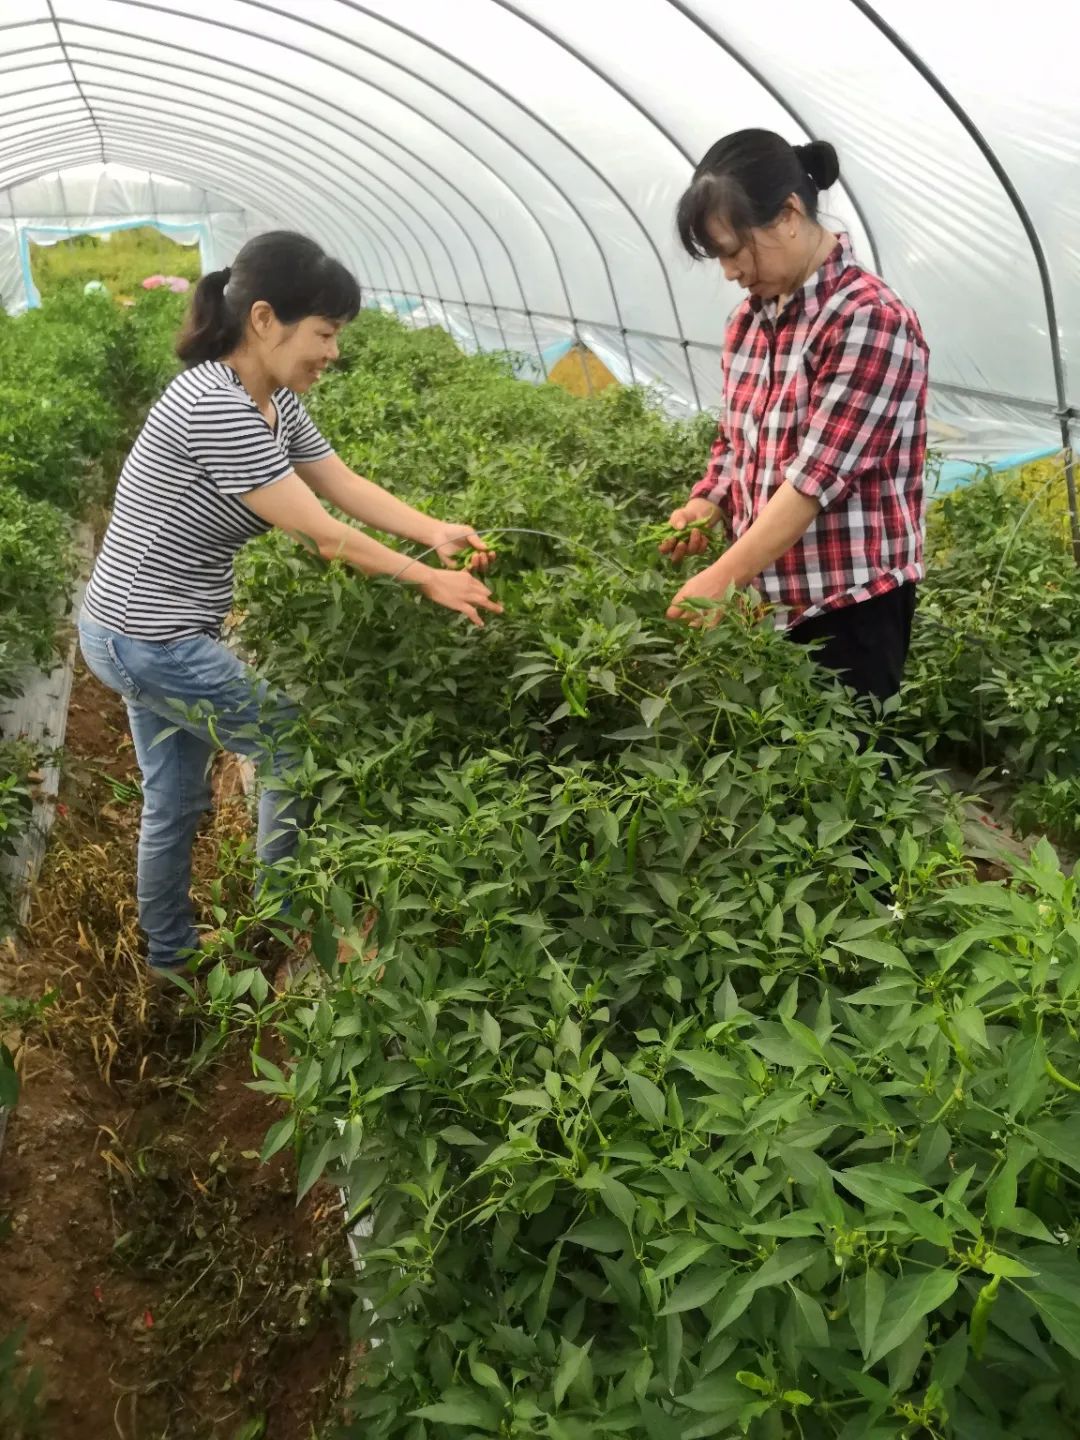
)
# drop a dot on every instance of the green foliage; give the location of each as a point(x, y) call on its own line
point(61, 413)
point(698, 1090)
point(995, 669)
point(76, 378)
point(35, 567)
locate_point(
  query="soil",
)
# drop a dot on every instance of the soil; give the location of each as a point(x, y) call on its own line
point(169, 1286)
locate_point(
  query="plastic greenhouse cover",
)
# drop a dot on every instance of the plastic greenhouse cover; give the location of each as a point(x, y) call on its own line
point(509, 169)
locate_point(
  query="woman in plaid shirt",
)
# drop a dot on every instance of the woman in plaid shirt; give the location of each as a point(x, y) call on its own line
point(817, 469)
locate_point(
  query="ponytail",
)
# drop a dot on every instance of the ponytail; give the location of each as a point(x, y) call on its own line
point(747, 180)
point(290, 272)
point(210, 330)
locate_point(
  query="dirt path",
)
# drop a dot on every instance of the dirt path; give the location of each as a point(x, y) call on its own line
point(169, 1287)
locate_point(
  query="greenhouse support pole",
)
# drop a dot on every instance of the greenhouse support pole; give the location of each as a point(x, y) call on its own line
point(1063, 411)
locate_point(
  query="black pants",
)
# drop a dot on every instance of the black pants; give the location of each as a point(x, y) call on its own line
point(866, 644)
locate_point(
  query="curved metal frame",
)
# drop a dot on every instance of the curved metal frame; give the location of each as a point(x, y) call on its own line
point(353, 119)
point(324, 146)
point(74, 157)
point(1064, 411)
point(301, 179)
point(74, 77)
point(315, 114)
point(446, 95)
point(177, 129)
point(479, 75)
point(643, 111)
point(393, 140)
point(305, 149)
point(496, 175)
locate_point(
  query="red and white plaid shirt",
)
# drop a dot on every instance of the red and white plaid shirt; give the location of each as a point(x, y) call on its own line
point(831, 396)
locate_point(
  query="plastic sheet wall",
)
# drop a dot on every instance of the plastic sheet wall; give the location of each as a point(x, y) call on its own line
point(100, 200)
point(505, 166)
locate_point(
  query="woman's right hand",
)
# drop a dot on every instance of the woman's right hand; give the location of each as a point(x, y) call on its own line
point(459, 590)
point(696, 543)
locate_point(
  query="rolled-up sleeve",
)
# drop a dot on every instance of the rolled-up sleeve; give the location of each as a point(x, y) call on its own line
point(857, 397)
point(715, 484)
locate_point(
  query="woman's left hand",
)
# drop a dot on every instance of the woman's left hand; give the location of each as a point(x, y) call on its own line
point(451, 541)
point(710, 584)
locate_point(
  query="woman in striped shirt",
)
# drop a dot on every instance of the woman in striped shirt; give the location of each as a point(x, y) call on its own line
point(817, 469)
point(229, 452)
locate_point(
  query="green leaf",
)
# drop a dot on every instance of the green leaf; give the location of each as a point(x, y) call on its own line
point(277, 1137)
point(601, 1232)
point(570, 1367)
point(1026, 1074)
point(683, 1256)
point(458, 1135)
point(754, 1382)
point(876, 950)
point(619, 1200)
point(652, 708)
point(906, 1302)
point(535, 1098)
point(666, 888)
point(812, 1316)
point(696, 1290)
point(867, 1298)
point(490, 1032)
point(464, 1408)
point(313, 1164)
point(648, 1098)
point(1061, 1317)
point(1007, 1267)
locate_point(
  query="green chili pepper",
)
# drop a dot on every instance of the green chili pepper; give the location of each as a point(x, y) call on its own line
point(1060, 1079)
point(573, 698)
point(980, 1316)
point(631, 840)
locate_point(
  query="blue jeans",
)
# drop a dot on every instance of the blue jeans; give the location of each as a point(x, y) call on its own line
point(185, 699)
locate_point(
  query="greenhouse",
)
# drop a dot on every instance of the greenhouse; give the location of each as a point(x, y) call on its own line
point(539, 720)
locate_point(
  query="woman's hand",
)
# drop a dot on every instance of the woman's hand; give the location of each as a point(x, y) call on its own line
point(449, 541)
point(458, 590)
point(712, 583)
point(694, 512)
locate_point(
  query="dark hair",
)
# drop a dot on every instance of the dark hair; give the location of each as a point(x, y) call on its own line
point(746, 179)
point(291, 273)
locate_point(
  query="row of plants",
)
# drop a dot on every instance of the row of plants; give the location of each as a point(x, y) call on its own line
point(75, 379)
point(995, 674)
point(699, 1087)
point(77, 375)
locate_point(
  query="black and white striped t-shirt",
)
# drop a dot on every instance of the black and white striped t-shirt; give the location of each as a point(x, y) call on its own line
point(165, 570)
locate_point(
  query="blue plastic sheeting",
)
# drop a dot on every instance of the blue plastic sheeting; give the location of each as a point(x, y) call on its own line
point(402, 304)
point(197, 231)
point(955, 473)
